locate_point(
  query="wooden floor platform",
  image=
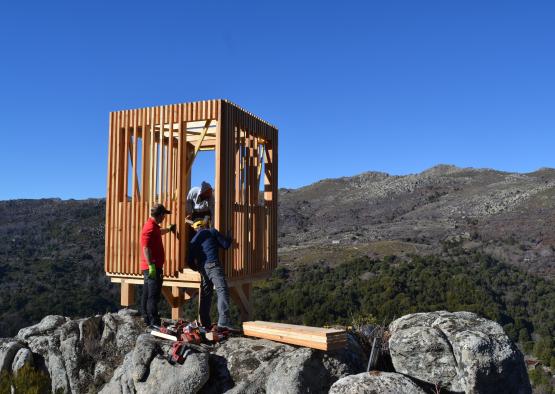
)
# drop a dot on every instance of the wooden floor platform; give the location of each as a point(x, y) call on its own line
point(313, 337)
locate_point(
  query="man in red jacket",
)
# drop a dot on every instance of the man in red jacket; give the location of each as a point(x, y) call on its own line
point(152, 262)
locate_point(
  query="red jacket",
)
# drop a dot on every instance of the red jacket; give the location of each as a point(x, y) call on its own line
point(152, 238)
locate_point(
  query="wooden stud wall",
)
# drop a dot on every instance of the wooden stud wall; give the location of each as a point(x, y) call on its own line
point(150, 153)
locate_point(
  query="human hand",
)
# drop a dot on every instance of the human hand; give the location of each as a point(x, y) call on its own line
point(172, 228)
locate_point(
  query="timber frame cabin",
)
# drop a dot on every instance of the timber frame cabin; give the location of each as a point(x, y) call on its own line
point(150, 156)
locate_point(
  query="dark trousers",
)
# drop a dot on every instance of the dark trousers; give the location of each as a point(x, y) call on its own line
point(151, 295)
point(213, 276)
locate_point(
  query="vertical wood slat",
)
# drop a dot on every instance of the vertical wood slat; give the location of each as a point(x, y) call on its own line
point(138, 205)
point(229, 182)
point(142, 189)
point(244, 197)
point(152, 155)
point(171, 187)
point(129, 202)
point(224, 134)
point(160, 151)
point(252, 198)
point(180, 206)
point(125, 205)
point(154, 166)
point(275, 197)
point(134, 197)
point(236, 214)
point(218, 169)
point(232, 182)
point(169, 238)
point(147, 140)
point(115, 194)
point(109, 200)
point(119, 197)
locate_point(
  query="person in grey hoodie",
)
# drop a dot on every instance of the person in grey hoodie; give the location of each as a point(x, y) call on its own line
point(200, 202)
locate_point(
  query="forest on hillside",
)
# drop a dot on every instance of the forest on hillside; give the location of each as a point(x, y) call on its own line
point(320, 294)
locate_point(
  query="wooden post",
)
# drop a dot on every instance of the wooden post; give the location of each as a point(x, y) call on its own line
point(247, 290)
point(242, 300)
point(177, 311)
point(127, 294)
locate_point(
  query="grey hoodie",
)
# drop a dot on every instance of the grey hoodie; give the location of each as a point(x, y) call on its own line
point(195, 204)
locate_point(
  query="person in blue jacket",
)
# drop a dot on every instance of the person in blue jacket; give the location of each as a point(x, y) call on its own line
point(204, 253)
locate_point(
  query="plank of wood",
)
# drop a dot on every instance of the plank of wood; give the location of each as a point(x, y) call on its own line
point(294, 328)
point(162, 335)
point(304, 337)
point(300, 342)
point(314, 337)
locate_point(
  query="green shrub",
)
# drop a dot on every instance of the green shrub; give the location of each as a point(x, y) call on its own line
point(26, 381)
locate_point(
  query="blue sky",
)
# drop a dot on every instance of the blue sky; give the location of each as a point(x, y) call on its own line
point(394, 86)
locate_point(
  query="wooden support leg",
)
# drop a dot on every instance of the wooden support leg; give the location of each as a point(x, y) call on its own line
point(127, 294)
point(177, 310)
point(189, 294)
point(242, 299)
point(167, 293)
point(247, 289)
point(174, 296)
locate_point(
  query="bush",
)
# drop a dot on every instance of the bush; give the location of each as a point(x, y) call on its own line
point(26, 381)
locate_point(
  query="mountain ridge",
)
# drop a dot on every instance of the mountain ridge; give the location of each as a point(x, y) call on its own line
point(491, 208)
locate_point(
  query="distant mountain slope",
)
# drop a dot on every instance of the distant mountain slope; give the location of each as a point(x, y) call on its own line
point(510, 215)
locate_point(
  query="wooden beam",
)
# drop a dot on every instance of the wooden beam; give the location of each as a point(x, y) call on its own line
point(199, 142)
point(127, 294)
point(197, 148)
point(313, 337)
point(167, 293)
point(242, 302)
point(189, 294)
point(177, 310)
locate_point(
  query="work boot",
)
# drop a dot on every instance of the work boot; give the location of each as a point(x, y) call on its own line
point(227, 329)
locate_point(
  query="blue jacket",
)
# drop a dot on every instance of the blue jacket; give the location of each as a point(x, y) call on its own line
point(205, 245)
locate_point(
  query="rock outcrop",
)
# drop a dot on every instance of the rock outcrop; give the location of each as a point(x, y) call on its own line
point(244, 365)
point(113, 354)
point(459, 351)
point(375, 382)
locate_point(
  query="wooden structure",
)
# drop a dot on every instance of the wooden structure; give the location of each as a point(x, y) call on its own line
point(314, 337)
point(150, 157)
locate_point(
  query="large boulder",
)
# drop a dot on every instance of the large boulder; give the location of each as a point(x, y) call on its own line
point(146, 348)
point(47, 325)
point(244, 365)
point(375, 382)
point(24, 357)
point(8, 351)
point(459, 351)
point(144, 370)
point(176, 379)
point(82, 354)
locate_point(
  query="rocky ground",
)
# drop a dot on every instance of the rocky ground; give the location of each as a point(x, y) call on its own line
point(458, 352)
